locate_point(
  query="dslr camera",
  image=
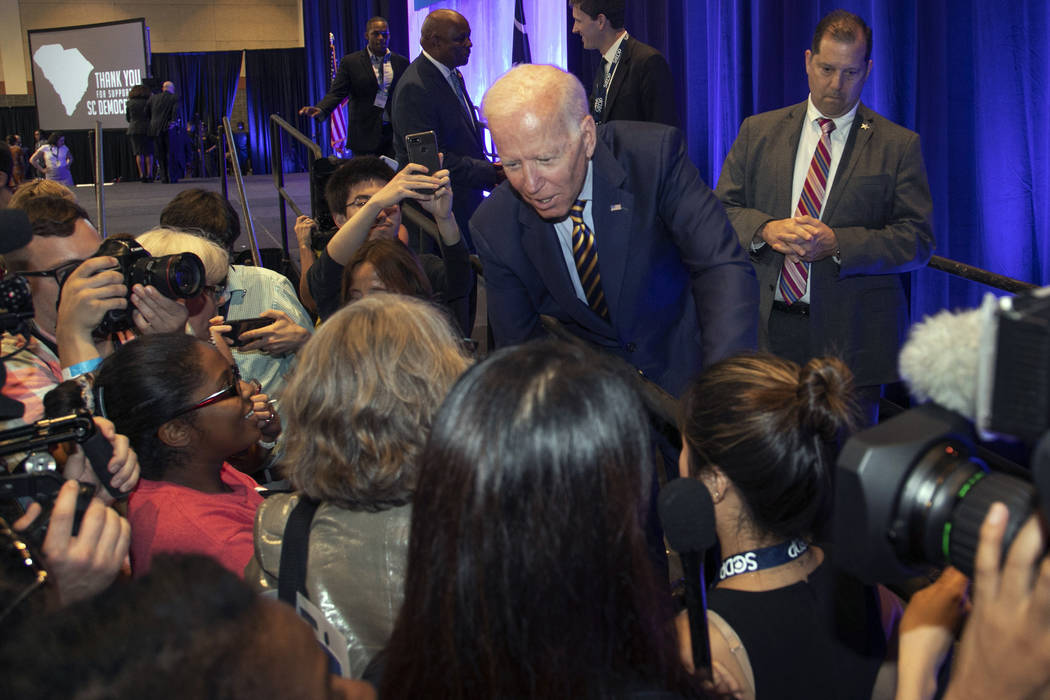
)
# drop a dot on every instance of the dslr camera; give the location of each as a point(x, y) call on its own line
point(911, 492)
point(175, 276)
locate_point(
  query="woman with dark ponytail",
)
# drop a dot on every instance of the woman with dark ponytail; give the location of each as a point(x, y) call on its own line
point(761, 434)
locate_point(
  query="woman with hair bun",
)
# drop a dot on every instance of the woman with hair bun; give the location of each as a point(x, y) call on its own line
point(761, 433)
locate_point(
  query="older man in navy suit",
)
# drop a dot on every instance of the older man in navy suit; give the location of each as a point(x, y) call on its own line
point(431, 96)
point(610, 230)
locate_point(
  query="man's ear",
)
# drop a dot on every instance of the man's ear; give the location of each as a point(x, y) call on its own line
point(175, 433)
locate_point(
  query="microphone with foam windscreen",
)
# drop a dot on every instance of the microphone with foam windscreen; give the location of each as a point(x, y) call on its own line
point(991, 364)
point(688, 518)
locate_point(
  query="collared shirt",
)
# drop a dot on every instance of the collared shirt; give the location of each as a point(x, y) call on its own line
point(383, 60)
point(807, 144)
point(453, 82)
point(383, 70)
point(252, 291)
point(32, 370)
point(610, 55)
point(450, 75)
point(563, 229)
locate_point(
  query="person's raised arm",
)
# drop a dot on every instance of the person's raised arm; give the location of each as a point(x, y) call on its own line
point(354, 232)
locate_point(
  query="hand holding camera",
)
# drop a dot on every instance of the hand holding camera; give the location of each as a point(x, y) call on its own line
point(103, 285)
point(1005, 648)
point(85, 561)
point(89, 292)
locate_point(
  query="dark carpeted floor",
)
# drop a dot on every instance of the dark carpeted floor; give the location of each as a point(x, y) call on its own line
point(134, 207)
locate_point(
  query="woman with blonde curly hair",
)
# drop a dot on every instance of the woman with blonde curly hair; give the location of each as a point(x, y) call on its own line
point(358, 409)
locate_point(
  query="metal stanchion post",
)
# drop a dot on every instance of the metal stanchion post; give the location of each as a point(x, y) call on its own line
point(100, 180)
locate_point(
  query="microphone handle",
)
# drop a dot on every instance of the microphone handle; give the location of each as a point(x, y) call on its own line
point(98, 452)
point(696, 606)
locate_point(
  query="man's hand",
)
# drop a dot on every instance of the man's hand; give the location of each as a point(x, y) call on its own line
point(1005, 648)
point(800, 238)
point(279, 338)
point(439, 205)
point(84, 565)
point(927, 631)
point(91, 290)
point(156, 313)
point(304, 226)
point(310, 111)
point(403, 186)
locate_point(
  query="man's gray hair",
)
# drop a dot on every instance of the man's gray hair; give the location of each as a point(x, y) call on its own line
point(529, 84)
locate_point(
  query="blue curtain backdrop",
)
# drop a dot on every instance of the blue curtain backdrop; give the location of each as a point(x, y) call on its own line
point(205, 82)
point(970, 76)
point(274, 85)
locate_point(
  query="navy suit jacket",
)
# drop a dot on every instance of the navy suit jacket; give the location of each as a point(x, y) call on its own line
point(425, 101)
point(680, 290)
point(879, 207)
point(356, 79)
point(641, 89)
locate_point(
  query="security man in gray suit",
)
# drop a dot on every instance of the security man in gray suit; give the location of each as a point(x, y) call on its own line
point(832, 203)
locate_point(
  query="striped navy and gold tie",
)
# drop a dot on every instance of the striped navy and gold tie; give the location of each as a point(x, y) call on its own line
point(585, 253)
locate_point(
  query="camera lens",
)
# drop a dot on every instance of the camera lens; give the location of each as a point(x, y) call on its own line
point(175, 276)
point(943, 502)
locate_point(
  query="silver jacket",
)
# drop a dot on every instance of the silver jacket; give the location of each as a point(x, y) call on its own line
point(355, 569)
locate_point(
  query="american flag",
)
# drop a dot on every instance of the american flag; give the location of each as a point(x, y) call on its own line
point(337, 128)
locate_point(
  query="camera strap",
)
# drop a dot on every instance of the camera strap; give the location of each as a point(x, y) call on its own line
point(765, 558)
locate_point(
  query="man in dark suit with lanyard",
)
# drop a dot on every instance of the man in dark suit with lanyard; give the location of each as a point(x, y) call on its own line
point(633, 80)
point(610, 230)
point(432, 96)
point(832, 203)
point(368, 78)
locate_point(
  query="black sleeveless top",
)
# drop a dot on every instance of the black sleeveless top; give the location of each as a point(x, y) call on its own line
point(820, 638)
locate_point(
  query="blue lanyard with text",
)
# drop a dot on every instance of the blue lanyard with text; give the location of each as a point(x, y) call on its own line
point(765, 558)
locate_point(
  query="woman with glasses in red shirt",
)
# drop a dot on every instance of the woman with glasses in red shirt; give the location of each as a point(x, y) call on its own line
point(188, 414)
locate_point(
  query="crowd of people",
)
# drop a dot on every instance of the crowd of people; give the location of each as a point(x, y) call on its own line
point(455, 526)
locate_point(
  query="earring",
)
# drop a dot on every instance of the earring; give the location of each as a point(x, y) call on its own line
point(717, 495)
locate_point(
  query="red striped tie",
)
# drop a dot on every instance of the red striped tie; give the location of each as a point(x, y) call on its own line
point(795, 275)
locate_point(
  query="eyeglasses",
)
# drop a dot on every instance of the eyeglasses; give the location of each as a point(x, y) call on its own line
point(59, 272)
point(358, 201)
point(231, 390)
point(219, 292)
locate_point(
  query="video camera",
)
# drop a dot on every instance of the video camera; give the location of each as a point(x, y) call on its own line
point(910, 492)
point(38, 477)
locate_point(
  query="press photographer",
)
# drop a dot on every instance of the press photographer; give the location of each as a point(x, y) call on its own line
point(73, 289)
point(83, 543)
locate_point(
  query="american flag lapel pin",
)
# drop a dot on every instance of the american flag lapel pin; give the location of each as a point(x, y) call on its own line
point(616, 207)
